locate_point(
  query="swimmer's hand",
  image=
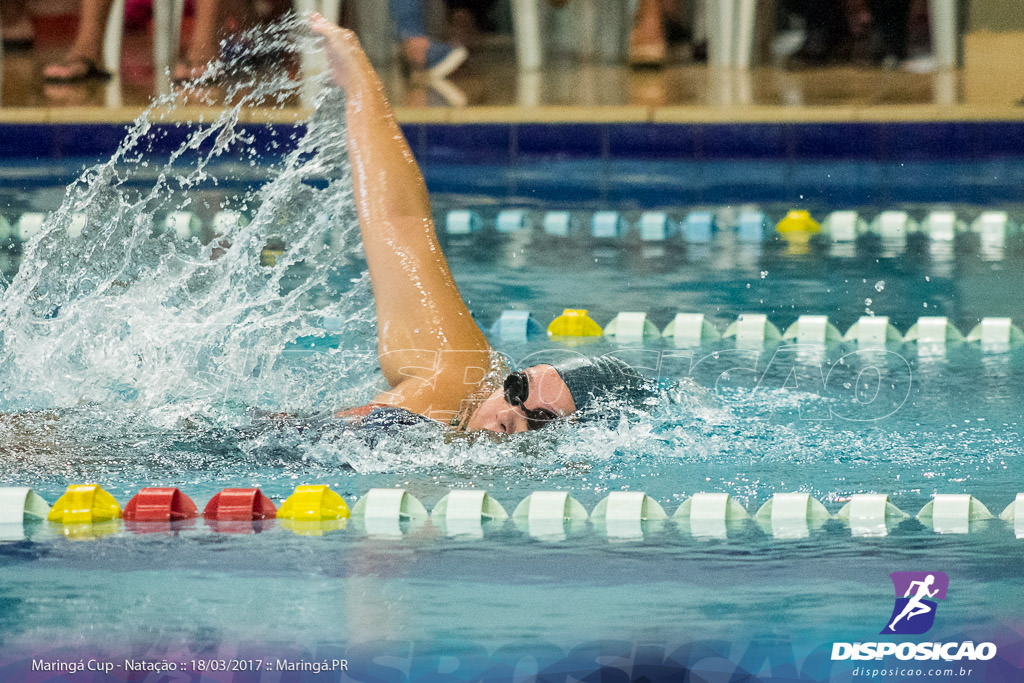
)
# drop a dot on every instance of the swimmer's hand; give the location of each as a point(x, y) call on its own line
point(343, 50)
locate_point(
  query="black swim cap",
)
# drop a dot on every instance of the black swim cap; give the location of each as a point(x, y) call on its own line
point(590, 378)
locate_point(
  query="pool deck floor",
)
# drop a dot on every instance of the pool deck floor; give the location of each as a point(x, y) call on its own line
point(490, 89)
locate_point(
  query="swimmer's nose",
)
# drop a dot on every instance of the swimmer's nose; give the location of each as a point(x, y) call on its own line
point(510, 420)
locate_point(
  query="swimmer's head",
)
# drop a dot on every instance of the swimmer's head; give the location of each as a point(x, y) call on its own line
point(591, 378)
point(540, 394)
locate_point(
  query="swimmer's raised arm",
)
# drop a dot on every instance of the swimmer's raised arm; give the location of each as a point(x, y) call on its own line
point(429, 345)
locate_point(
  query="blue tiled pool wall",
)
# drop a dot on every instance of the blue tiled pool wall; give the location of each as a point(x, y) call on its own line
point(650, 165)
point(654, 164)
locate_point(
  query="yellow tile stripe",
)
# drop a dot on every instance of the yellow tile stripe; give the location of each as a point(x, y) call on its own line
point(551, 114)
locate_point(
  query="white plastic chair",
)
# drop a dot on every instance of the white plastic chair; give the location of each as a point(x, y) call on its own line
point(166, 33)
point(943, 18)
point(314, 61)
point(731, 31)
point(526, 25)
point(167, 28)
point(730, 26)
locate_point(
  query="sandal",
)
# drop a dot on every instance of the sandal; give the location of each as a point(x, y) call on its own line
point(74, 69)
point(18, 44)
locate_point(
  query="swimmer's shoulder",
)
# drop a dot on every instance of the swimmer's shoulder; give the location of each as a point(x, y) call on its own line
point(381, 416)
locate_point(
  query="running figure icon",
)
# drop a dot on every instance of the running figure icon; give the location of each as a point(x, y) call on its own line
point(915, 606)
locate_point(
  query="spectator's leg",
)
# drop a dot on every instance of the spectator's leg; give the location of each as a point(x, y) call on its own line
point(84, 57)
point(422, 54)
point(647, 39)
point(91, 25)
point(202, 47)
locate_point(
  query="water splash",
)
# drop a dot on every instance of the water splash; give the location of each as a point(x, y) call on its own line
point(142, 353)
point(137, 349)
point(125, 314)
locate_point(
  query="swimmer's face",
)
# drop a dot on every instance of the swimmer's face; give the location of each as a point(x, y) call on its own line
point(547, 393)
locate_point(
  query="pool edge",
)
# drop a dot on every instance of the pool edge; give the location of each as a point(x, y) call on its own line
point(554, 114)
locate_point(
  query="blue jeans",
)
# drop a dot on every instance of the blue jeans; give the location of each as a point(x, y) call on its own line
point(408, 18)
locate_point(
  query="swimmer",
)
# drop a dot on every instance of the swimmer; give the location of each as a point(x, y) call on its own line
point(437, 361)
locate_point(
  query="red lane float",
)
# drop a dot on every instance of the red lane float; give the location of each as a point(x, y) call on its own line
point(160, 504)
point(240, 505)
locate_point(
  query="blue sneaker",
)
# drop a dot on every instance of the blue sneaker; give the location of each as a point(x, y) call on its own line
point(443, 59)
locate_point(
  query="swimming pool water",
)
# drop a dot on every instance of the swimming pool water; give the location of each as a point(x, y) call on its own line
point(749, 421)
point(132, 358)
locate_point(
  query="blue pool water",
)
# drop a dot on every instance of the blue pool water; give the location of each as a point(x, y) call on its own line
point(131, 358)
point(747, 421)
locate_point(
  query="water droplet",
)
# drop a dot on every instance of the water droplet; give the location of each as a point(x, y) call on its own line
point(880, 285)
point(764, 274)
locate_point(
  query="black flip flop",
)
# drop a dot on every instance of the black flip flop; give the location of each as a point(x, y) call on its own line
point(92, 72)
point(18, 44)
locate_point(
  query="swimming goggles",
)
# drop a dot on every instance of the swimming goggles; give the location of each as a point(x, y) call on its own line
point(517, 391)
